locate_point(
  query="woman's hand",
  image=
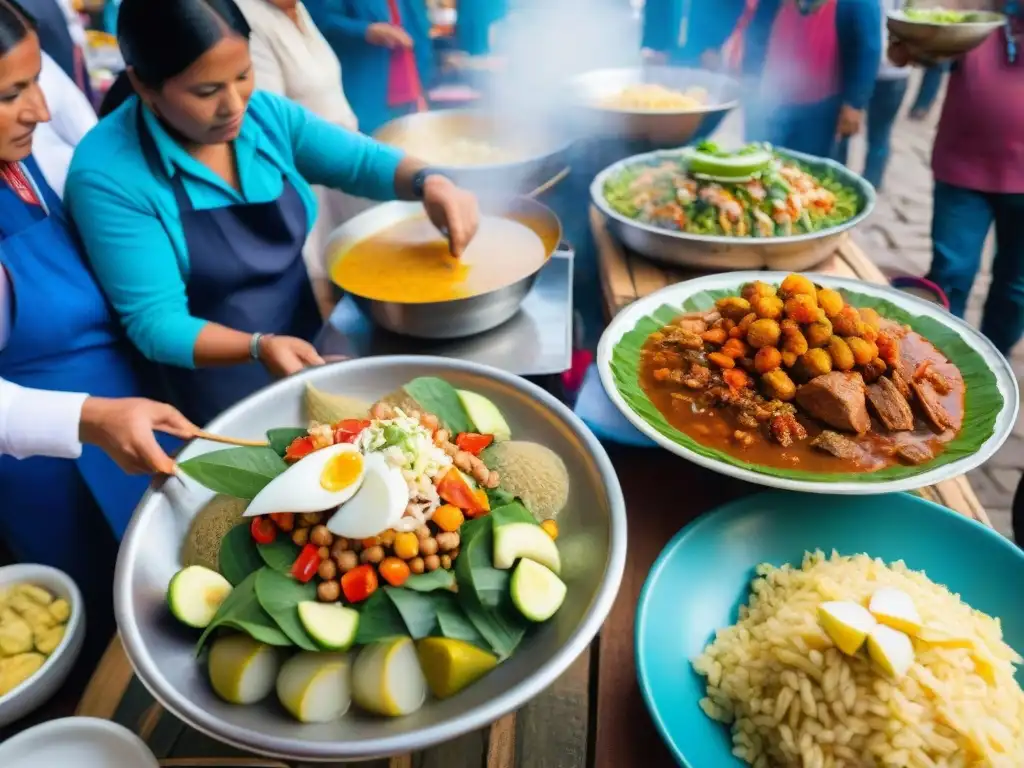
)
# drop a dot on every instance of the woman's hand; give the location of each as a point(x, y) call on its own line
point(850, 120)
point(452, 210)
point(388, 36)
point(124, 430)
point(285, 355)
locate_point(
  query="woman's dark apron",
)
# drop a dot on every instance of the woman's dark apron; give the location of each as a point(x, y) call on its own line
point(246, 272)
point(63, 337)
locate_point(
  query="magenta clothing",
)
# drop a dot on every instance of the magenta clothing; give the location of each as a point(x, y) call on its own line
point(980, 143)
point(802, 65)
point(403, 77)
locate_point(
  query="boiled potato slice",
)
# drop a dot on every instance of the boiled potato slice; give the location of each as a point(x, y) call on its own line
point(47, 640)
point(17, 669)
point(15, 636)
point(35, 594)
point(37, 616)
point(60, 609)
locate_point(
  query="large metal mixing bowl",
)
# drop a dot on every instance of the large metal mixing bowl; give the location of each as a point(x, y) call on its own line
point(942, 41)
point(719, 253)
point(445, 319)
point(662, 128)
point(592, 541)
point(540, 152)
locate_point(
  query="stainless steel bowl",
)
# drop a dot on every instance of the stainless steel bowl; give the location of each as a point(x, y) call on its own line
point(592, 540)
point(942, 41)
point(720, 253)
point(541, 152)
point(659, 127)
point(444, 319)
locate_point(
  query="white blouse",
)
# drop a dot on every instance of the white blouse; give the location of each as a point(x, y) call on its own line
point(35, 422)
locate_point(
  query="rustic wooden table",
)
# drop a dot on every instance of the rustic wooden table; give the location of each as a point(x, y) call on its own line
point(593, 716)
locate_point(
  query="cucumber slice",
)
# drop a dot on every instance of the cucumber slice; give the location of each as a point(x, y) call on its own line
point(518, 540)
point(536, 591)
point(194, 595)
point(734, 167)
point(485, 415)
point(333, 627)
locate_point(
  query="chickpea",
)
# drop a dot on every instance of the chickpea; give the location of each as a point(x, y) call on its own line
point(387, 538)
point(767, 307)
point(802, 308)
point(778, 386)
point(441, 436)
point(347, 560)
point(447, 541)
point(797, 284)
point(454, 553)
point(446, 562)
point(480, 472)
point(340, 545)
point(818, 333)
point(757, 289)
point(847, 322)
point(328, 591)
point(816, 362)
point(842, 356)
point(493, 479)
point(428, 546)
point(309, 519)
point(733, 307)
point(416, 565)
point(763, 333)
point(324, 553)
point(321, 537)
point(423, 533)
point(767, 359)
point(431, 562)
point(794, 344)
point(300, 537)
point(831, 301)
point(372, 554)
point(429, 421)
point(382, 410)
point(328, 570)
point(863, 351)
point(870, 318)
point(407, 546)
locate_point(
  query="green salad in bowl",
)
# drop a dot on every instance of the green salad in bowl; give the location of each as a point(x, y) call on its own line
point(754, 192)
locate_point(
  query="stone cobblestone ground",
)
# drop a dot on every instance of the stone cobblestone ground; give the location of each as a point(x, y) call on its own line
point(897, 238)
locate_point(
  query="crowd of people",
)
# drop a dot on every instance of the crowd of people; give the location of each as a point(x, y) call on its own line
point(172, 249)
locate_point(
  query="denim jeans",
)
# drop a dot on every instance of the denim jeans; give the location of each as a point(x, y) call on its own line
point(960, 223)
point(809, 128)
point(930, 84)
point(881, 114)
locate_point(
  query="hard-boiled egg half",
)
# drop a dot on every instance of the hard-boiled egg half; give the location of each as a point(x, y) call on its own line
point(379, 504)
point(319, 481)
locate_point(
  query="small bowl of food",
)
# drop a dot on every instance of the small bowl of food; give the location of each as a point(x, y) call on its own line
point(42, 627)
point(666, 106)
point(936, 34)
point(787, 629)
point(422, 546)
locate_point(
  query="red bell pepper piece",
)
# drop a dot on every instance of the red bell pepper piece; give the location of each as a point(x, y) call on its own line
point(306, 564)
point(347, 430)
point(455, 489)
point(299, 448)
point(359, 583)
point(472, 442)
point(263, 530)
point(283, 520)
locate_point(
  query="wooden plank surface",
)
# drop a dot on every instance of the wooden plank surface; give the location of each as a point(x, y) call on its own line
point(628, 278)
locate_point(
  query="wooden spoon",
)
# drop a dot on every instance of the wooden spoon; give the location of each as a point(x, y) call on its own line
point(239, 441)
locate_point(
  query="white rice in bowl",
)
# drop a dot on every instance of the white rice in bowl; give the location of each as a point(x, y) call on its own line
point(793, 699)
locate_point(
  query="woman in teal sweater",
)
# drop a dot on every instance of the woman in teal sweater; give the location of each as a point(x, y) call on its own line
point(193, 201)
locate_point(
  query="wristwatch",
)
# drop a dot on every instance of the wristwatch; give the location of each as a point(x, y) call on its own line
point(420, 179)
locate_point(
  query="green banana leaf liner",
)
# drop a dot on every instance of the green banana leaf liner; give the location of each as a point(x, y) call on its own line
point(982, 406)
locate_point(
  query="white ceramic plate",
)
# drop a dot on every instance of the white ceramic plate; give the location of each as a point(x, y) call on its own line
point(676, 295)
point(82, 742)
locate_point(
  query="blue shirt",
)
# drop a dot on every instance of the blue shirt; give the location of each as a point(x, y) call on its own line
point(129, 221)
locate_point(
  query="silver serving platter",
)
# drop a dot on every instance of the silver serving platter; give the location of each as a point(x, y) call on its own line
point(719, 253)
point(541, 152)
point(935, 41)
point(454, 319)
point(658, 126)
point(592, 541)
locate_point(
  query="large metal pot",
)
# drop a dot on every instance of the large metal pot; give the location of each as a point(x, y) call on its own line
point(720, 253)
point(662, 128)
point(541, 151)
point(446, 319)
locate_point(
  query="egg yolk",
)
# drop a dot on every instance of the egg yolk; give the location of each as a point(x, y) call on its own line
point(341, 471)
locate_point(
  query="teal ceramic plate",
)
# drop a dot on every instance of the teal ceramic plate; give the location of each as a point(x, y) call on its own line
point(703, 575)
